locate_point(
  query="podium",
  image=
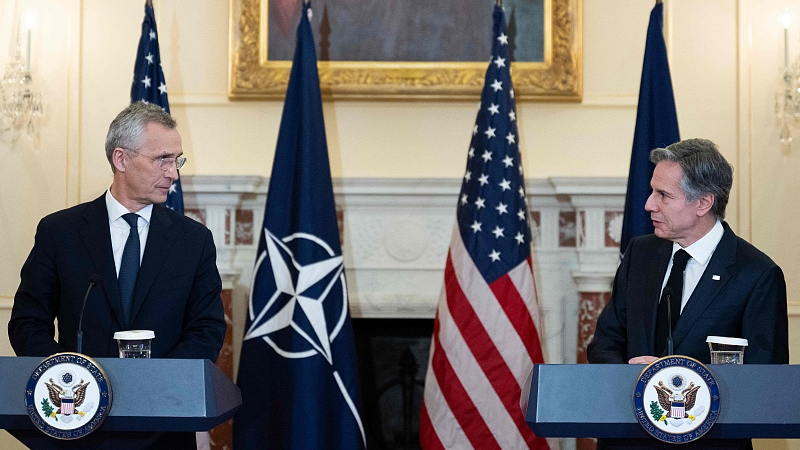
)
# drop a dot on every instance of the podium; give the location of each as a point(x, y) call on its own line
point(149, 396)
point(596, 400)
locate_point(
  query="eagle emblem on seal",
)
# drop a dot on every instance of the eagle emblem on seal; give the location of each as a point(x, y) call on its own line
point(676, 400)
point(66, 397)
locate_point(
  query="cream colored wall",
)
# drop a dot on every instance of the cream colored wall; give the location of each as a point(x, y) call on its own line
point(724, 57)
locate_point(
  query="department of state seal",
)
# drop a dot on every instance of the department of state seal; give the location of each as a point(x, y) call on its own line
point(676, 399)
point(68, 396)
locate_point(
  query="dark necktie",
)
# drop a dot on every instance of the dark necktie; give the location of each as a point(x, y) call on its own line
point(129, 266)
point(675, 282)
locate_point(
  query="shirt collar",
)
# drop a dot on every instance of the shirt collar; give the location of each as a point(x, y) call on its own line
point(116, 210)
point(702, 250)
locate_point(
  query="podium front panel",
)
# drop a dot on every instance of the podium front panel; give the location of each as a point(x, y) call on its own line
point(596, 400)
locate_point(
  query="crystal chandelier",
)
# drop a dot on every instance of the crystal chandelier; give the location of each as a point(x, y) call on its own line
point(787, 101)
point(20, 105)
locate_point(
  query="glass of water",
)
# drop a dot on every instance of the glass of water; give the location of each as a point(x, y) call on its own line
point(134, 343)
point(726, 350)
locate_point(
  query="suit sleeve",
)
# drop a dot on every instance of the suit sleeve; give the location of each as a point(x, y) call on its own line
point(765, 320)
point(31, 329)
point(610, 342)
point(204, 325)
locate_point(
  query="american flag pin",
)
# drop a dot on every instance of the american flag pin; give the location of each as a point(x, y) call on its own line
point(715, 277)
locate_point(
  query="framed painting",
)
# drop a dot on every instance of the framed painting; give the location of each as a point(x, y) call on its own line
point(407, 49)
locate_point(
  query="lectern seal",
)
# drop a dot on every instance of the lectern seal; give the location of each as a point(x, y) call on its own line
point(68, 396)
point(676, 399)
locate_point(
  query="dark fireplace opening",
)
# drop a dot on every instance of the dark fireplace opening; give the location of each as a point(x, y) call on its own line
point(392, 360)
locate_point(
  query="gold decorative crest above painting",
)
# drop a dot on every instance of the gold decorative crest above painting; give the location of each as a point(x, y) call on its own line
point(552, 72)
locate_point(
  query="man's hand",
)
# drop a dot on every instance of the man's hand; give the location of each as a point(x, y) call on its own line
point(642, 360)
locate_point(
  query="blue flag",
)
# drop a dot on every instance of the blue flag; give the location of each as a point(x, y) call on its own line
point(656, 126)
point(297, 370)
point(149, 85)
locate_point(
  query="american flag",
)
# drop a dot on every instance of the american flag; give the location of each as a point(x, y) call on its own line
point(485, 339)
point(149, 85)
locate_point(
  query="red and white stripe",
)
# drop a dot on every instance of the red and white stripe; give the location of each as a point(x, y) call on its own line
point(485, 342)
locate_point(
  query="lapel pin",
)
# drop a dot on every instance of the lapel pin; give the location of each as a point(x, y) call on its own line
point(715, 277)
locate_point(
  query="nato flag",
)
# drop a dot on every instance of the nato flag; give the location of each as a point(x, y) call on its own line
point(297, 370)
point(656, 126)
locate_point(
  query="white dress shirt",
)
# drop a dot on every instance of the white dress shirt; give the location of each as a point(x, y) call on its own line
point(120, 228)
point(700, 252)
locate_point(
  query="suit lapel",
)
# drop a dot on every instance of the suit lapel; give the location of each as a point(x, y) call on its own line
point(707, 288)
point(655, 278)
point(96, 236)
point(160, 239)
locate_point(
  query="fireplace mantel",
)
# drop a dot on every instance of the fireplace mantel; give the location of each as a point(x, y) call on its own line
point(395, 235)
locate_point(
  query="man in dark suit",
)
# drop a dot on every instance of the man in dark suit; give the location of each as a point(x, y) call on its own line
point(155, 269)
point(729, 288)
point(168, 282)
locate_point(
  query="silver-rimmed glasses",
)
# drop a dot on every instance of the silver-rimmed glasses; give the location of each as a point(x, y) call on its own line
point(162, 162)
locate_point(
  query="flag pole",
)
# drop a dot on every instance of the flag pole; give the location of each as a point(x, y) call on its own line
point(149, 3)
point(498, 3)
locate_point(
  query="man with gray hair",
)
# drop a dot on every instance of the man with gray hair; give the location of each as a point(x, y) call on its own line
point(725, 286)
point(154, 269)
point(711, 281)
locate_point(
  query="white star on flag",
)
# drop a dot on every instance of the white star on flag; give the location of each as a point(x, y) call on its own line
point(476, 226)
point(498, 232)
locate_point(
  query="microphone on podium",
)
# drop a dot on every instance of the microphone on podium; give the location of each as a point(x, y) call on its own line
point(94, 280)
point(667, 297)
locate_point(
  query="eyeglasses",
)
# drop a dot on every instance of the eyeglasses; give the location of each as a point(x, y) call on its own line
point(162, 162)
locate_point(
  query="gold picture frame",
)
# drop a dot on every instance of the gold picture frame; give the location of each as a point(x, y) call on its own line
point(558, 78)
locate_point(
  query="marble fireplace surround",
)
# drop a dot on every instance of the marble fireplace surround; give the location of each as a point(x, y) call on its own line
point(395, 234)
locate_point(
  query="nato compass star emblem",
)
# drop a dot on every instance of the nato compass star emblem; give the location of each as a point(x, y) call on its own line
point(297, 306)
point(298, 301)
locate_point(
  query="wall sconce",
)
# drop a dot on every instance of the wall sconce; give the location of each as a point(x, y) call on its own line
point(20, 105)
point(787, 102)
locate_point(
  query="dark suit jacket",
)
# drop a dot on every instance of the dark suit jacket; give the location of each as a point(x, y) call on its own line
point(748, 301)
point(177, 292)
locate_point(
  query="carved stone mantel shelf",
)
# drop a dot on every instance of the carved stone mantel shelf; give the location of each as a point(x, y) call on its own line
point(395, 234)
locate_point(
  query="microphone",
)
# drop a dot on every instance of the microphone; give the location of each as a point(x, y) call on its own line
point(668, 299)
point(94, 280)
